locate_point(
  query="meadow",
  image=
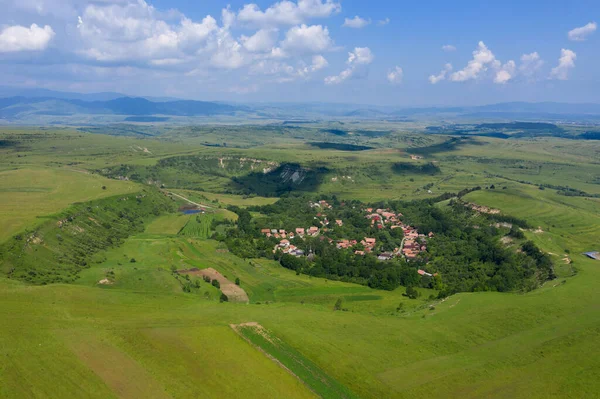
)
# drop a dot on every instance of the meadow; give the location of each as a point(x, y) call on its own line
point(140, 335)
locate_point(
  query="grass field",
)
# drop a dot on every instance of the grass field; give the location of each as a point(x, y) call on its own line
point(140, 335)
point(28, 194)
point(168, 224)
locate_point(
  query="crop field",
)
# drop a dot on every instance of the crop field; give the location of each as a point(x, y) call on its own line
point(127, 327)
point(168, 224)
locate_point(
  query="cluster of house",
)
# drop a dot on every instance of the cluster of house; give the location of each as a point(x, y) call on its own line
point(382, 217)
point(287, 248)
point(414, 243)
point(301, 232)
point(321, 204)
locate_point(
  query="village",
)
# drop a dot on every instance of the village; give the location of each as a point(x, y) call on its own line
point(413, 243)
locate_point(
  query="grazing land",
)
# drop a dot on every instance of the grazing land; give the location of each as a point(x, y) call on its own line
point(94, 277)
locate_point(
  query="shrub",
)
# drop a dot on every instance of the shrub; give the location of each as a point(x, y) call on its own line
point(223, 298)
point(338, 304)
point(412, 293)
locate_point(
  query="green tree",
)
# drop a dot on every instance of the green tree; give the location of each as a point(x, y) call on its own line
point(223, 298)
point(338, 304)
point(412, 293)
point(215, 283)
point(237, 281)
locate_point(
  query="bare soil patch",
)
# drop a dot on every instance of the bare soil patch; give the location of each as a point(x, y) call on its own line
point(233, 292)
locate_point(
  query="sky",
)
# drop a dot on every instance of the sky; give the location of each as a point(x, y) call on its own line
point(384, 52)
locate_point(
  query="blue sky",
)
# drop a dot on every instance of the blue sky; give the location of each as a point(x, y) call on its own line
point(385, 52)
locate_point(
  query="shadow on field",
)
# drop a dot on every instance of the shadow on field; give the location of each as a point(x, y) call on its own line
point(451, 145)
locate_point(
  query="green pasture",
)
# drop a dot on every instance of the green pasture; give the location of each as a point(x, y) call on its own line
point(26, 195)
point(139, 335)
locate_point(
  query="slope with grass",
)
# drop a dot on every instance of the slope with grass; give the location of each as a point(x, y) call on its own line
point(32, 193)
point(64, 340)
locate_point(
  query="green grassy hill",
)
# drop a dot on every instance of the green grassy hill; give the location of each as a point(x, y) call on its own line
point(124, 327)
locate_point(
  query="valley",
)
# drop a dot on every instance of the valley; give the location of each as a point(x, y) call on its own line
point(105, 265)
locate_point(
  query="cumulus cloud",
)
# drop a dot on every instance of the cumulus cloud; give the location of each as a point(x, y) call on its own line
point(284, 72)
point(566, 62)
point(530, 64)
point(383, 22)
point(21, 38)
point(581, 33)
point(287, 12)
point(396, 75)
point(448, 48)
point(135, 31)
point(307, 39)
point(482, 58)
point(359, 58)
point(434, 79)
point(506, 72)
point(356, 22)
point(261, 41)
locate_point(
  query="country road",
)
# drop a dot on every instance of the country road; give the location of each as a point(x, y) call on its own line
point(188, 200)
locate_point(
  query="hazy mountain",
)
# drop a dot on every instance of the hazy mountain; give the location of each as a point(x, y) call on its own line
point(26, 108)
point(21, 107)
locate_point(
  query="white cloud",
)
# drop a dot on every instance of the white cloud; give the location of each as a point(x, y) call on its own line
point(228, 52)
point(287, 12)
point(433, 79)
point(396, 75)
point(581, 33)
point(135, 31)
point(530, 64)
point(566, 62)
point(356, 22)
point(305, 39)
point(482, 57)
point(287, 73)
point(506, 72)
point(448, 48)
point(360, 57)
point(261, 41)
point(20, 38)
point(318, 62)
point(228, 17)
point(383, 22)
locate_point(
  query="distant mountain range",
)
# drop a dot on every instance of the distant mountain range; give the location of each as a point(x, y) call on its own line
point(20, 107)
point(40, 106)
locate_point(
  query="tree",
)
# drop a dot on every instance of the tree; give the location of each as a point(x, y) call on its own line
point(237, 281)
point(338, 304)
point(215, 283)
point(223, 298)
point(173, 269)
point(103, 187)
point(132, 260)
point(412, 293)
